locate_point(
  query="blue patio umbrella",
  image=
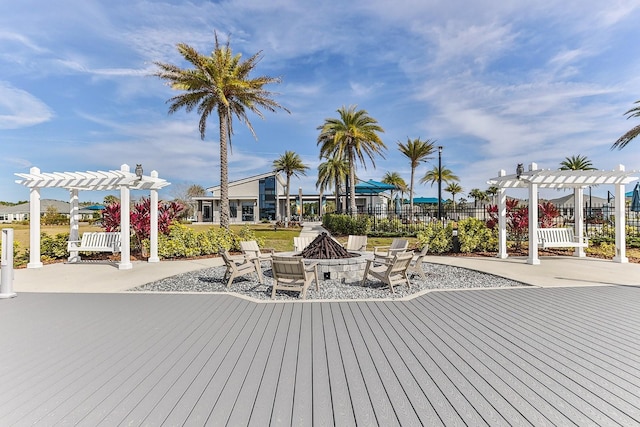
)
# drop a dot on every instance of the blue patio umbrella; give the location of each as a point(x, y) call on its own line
point(635, 199)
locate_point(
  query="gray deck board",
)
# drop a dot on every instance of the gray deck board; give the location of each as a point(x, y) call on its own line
point(495, 357)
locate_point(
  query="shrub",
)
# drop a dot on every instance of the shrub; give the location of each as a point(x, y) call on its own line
point(439, 238)
point(183, 241)
point(346, 224)
point(474, 235)
point(54, 247)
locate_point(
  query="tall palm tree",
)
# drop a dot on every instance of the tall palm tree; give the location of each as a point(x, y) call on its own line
point(576, 163)
point(220, 82)
point(478, 196)
point(417, 151)
point(334, 171)
point(352, 136)
point(394, 178)
point(291, 164)
point(454, 189)
point(432, 176)
point(627, 137)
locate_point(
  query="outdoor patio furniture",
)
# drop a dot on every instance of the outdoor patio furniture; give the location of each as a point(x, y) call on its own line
point(240, 265)
point(415, 267)
point(251, 249)
point(291, 274)
point(560, 238)
point(99, 241)
point(391, 272)
point(397, 246)
point(356, 243)
point(299, 243)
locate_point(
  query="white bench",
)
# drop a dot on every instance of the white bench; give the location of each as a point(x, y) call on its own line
point(560, 238)
point(99, 241)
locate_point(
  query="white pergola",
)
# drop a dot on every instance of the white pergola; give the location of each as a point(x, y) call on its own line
point(535, 178)
point(123, 180)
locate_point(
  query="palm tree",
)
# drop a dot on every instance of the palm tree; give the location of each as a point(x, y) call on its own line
point(492, 191)
point(291, 164)
point(332, 171)
point(576, 163)
point(352, 136)
point(627, 137)
point(394, 178)
point(219, 82)
point(445, 174)
point(417, 151)
point(454, 189)
point(478, 196)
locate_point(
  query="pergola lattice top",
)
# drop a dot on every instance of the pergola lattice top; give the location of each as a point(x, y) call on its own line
point(564, 178)
point(98, 180)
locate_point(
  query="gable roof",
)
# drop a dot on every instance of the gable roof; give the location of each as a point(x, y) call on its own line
point(216, 188)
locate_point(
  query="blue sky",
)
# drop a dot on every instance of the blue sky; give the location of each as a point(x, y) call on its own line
point(496, 83)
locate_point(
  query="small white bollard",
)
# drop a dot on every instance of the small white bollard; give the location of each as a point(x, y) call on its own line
point(6, 266)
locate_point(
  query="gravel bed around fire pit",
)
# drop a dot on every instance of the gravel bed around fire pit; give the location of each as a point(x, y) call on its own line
point(439, 276)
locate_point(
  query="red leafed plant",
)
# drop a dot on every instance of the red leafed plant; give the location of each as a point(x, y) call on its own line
point(517, 220)
point(548, 213)
point(140, 217)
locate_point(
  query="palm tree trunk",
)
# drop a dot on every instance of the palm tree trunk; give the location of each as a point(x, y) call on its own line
point(288, 205)
point(337, 193)
point(413, 169)
point(352, 185)
point(224, 171)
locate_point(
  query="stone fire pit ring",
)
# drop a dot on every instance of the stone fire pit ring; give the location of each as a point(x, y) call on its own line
point(345, 269)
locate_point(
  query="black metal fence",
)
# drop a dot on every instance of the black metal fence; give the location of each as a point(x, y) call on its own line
point(598, 220)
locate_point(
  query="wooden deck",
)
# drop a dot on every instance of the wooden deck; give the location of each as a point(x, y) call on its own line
point(560, 356)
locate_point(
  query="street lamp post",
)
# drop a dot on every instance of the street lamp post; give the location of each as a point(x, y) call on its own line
point(439, 182)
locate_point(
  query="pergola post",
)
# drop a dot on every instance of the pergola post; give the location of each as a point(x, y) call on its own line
point(533, 220)
point(502, 220)
point(125, 225)
point(621, 244)
point(74, 223)
point(153, 232)
point(34, 224)
point(578, 219)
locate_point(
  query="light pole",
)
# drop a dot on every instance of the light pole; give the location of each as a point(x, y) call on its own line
point(439, 182)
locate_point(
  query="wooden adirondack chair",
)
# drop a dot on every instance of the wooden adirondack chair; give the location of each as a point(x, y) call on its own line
point(238, 266)
point(392, 272)
point(291, 274)
point(299, 243)
point(356, 243)
point(415, 267)
point(382, 253)
point(251, 249)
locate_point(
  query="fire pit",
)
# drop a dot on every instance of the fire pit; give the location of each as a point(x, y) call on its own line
point(334, 261)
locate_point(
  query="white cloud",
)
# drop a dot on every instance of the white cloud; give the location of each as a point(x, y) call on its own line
point(19, 109)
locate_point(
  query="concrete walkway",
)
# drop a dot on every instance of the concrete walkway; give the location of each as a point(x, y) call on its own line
point(105, 278)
